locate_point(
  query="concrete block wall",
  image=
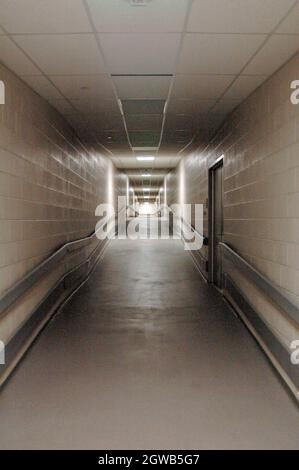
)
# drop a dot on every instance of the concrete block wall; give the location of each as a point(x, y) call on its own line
point(50, 182)
point(260, 144)
point(50, 185)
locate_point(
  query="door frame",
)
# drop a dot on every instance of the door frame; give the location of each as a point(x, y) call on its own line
point(212, 247)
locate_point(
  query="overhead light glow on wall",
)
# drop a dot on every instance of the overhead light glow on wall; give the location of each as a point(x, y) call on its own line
point(145, 158)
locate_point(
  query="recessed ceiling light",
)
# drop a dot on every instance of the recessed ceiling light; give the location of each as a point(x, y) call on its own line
point(145, 158)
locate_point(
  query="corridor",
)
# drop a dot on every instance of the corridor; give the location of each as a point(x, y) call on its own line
point(146, 355)
point(149, 225)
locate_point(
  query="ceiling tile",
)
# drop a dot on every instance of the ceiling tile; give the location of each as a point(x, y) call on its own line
point(104, 121)
point(63, 54)
point(43, 16)
point(224, 106)
point(150, 87)
point(139, 188)
point(145, 149)
point(15, 59)
point(243, 86)
point(217, 53)
point(96, 105)
point(169, 155)
point(237, 16)
point(178, 106)
point(143, 106)
point(84, 86)
point(177, 137)
point(277, 50)
point(144, 122)
point(146, 182)
point(291, 23)
point(118, 16)
point(180, 122)
point(203, 87)
point(64, 107)
point(119, 148)
point(160, 162)
point(215, 120)
point(147, 138)
point(72, 119)
point(137, 176)
point(111, 137)
point(42, 86)
point(140, 53)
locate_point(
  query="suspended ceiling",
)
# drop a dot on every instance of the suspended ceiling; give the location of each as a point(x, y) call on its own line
point(145, 79)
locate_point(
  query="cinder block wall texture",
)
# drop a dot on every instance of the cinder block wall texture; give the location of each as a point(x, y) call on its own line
point(50, 182)
point(260, 144)
point(50, 185)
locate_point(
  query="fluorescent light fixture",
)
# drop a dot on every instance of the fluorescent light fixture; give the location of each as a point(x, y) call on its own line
point(145, 158)
point(146, 175)
point(147, 190)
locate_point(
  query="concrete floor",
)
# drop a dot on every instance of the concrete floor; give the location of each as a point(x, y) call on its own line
point(146, 356)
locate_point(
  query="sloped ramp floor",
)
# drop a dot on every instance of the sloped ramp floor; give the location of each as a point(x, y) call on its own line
point(146, 356)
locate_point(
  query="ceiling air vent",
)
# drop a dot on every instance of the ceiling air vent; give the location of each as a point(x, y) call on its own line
point(139, 3)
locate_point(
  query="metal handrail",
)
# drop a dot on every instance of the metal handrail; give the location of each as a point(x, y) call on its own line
point(200, 235)
point(190, 226)
point(13, 293)
point(271, 289)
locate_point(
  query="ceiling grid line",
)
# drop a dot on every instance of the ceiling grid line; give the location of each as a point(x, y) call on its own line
point(43, 74)
point(289, 11)
point(197, 58)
